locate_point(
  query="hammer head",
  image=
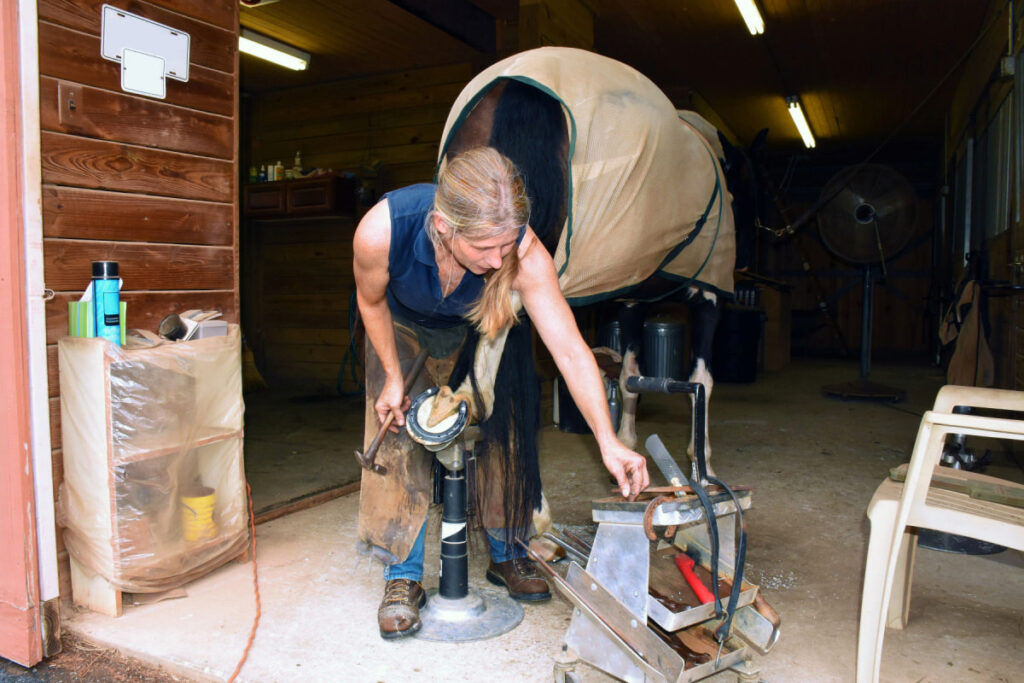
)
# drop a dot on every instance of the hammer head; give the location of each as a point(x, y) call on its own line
point(372, 466)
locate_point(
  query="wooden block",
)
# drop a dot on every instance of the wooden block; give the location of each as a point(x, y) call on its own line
point(92, 591)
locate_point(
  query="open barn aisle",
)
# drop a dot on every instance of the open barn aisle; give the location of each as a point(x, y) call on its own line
point(813, 462)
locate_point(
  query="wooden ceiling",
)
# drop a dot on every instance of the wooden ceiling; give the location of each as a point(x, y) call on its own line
point(866, 71)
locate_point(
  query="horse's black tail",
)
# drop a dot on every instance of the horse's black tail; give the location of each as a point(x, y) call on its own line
point(529, 128)
point(510, 433)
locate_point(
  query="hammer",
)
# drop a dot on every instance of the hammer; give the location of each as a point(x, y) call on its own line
point(367, 460)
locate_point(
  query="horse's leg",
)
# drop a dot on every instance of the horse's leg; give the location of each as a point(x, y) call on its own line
point(704, 315)
point(485, 368)
point(627, 422)
point(631, 336)
point(547, 550)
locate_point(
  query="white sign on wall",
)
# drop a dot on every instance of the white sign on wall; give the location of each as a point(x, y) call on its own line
point(148, 52)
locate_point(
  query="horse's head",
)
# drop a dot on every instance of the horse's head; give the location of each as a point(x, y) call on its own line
point(743, 176)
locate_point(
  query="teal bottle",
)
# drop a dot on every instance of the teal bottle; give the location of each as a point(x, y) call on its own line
point(106, 300)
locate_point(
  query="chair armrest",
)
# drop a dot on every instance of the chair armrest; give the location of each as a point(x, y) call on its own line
point(994, 427)
point(953, 395)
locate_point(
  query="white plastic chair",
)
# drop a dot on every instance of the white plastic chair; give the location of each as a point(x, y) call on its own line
point(897, 510)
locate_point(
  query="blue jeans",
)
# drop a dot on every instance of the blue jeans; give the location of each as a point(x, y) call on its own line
point(412, 567)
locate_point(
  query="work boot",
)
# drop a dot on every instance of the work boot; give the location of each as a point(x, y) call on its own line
point(521, 578)
point(399, 612)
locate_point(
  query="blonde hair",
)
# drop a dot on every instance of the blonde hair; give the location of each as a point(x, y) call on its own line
point(480, 195)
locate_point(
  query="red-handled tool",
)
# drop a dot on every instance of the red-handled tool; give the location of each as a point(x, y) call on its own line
point(686, 565)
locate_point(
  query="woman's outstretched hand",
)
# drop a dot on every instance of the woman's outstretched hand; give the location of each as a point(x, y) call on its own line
point(628, 467)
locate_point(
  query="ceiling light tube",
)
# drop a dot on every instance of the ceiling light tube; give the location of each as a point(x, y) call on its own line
point(272, 50)
point(755, 24)
point(797, 113)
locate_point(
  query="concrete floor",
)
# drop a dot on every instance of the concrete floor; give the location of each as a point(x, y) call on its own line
point(813, 462)
point(297, 444)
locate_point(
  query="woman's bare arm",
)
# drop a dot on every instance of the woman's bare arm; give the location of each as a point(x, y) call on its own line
point(370, 246)
point(537, 284)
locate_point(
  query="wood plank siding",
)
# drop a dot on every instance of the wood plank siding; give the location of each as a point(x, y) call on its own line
point(903, 325)
point(297, 282)
point(298, 289)
point(148, 183)
point(392, 121)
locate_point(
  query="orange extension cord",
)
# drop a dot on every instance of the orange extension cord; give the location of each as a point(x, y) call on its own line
point(255, 586)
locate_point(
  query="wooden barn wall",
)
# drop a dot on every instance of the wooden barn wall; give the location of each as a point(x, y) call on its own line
point(297, 287)
point(978, 91)
point(297, 281)
point(565, 23)
point(384, 129)
point(901, 325)
point(147, 183)
point(1014, 354)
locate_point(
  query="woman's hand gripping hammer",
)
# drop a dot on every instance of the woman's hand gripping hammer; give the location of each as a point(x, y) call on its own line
point(367, 459)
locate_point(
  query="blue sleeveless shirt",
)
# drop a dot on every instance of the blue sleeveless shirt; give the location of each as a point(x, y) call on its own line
point(414, 287)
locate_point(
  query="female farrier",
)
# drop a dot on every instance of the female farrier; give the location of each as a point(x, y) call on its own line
point(429, 261)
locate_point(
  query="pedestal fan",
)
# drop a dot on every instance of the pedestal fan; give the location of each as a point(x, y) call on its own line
point(867, 217)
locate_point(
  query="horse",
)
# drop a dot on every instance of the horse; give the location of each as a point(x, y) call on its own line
point(628, 196)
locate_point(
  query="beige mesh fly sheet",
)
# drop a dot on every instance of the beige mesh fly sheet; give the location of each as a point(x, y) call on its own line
point(647, 194)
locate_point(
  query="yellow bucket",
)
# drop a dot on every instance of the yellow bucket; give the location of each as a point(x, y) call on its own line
point(197, 514)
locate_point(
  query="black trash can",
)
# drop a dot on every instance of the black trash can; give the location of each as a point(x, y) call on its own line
point(610, 335)
point(737, 340)
point(664, 342)
point(569, 419)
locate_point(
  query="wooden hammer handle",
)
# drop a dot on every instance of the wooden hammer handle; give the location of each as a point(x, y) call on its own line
point(371, 452)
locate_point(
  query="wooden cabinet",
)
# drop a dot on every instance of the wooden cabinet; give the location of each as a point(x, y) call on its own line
point(324, 195)
point(154, 489)
point(265, 199)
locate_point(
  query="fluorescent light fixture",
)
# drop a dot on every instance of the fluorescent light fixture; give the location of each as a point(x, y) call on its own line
point(272, 50)
point(755, 24)
point(798, 119)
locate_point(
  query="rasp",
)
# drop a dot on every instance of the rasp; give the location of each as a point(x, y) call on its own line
point(665, 462)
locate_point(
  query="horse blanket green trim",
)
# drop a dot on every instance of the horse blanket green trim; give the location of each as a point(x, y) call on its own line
point(644, 182)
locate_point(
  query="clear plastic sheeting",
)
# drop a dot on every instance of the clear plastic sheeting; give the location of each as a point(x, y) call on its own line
point(647, 195)
point(154, 492)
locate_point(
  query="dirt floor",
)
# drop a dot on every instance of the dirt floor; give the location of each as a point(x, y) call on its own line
point(87, 663)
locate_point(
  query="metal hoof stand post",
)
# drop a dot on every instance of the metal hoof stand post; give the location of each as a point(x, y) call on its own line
point(453, 613)
point(637, 613)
